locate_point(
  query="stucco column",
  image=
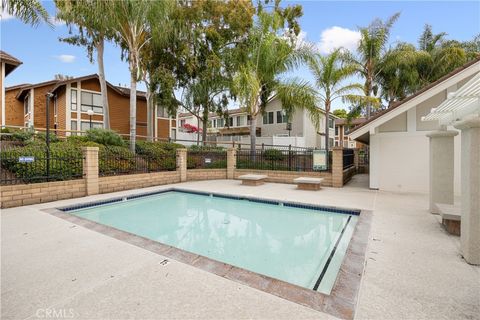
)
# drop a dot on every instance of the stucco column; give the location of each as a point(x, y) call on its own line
point(337, 167)
point(182, 164)
point(470, 174)
point(441, 168)
point(231, 162)
point(90, 169)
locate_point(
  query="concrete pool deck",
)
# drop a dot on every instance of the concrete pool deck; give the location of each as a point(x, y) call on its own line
point(414, 269)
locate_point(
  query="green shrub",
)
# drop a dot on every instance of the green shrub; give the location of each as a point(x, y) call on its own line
point(105, 137)
point(273, 155)
point(65, 162)
point(23, 135)
point(43, 137)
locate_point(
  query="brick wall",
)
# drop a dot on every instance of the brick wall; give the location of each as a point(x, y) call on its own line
point(287, 176)
point(26, 194)
point(206, 174)
point(13, 109)
point(136, 181)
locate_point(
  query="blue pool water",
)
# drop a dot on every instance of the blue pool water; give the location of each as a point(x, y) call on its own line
point(290, 244)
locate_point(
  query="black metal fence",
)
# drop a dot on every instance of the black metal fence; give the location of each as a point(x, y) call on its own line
point(33, 165)
point(348, 158)
point(277, 159)
point(206, 158)
point(113, 162)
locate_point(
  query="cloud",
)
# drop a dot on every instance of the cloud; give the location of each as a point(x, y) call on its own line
point(337, 37)
point(301, 39)
point(57, 22)
point(4, 15)
point(65, 58)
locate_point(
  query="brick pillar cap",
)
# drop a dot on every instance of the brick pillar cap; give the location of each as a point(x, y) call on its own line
point(337, 148)
point(90, 148)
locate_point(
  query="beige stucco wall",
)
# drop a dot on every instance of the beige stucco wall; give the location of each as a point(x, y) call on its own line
point(397, 124)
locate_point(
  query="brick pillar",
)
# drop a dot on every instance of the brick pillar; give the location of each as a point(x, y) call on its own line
point(231, 162)
point(337, 167)
point(182, 164)
point(90, 169)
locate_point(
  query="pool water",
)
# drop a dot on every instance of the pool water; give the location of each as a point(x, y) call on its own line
point(290, 244)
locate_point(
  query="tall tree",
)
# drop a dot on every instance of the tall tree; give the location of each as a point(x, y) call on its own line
point(398, 76)
point(130, 21)
point(270, 57)
point(331, 74)
point(371, 48)
point(89, 19)
point(213, 33)
point(28, 11)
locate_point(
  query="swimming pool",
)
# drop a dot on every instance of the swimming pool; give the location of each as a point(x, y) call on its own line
point(299, 244)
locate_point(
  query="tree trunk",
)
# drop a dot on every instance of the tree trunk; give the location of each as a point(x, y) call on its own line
point(198, 131)
point(103, 83)
point(253, 133)
point(149, 114)
point(133, 105)
point(327, 127)
point(204, 125)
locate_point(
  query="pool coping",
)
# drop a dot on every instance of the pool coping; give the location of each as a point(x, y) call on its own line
point(342, 300)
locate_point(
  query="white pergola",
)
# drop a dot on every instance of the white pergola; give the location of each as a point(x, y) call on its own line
point(459, 105)
point(462, 110)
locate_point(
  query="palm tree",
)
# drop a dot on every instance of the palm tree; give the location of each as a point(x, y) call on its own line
point(28, 11)
point(371, 48)
point(89, 17)
point(429, 41)
point(262, 76)
point(330, 73)
point(438, 56)
point(398, 76)
point(130, 19)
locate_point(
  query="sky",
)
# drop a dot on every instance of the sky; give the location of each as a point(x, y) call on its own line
point(328, 24)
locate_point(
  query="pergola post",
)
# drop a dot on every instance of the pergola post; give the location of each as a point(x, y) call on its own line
point(470, 174)
point(441, 168)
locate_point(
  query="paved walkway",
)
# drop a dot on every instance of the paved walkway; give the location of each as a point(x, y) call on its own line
point(50, 266)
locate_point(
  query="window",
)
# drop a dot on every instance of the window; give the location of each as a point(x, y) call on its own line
point(336, 131)
point(73, 100)
point(85, 125)
point(330, 142)
point(220, 123)
point(73, 127)
point(92, 101)
point(25, 105)
point(230, 122)
point(331, 123)
point(268, 118)
point(182, 123)
point(162, 112)
point(239, 121)
point(281, 117)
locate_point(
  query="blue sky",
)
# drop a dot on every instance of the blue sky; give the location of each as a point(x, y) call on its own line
point(326, 23)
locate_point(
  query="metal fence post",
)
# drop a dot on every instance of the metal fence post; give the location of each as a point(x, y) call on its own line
point(290, 157)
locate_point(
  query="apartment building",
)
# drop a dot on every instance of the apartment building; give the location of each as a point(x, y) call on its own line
point(70, 102)
point(8, 63)
point(342, 132)
point(273, 127)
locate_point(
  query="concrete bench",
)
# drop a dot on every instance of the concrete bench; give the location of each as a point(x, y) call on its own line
point(451, 218)
point(253, 179)
point(305, 183)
